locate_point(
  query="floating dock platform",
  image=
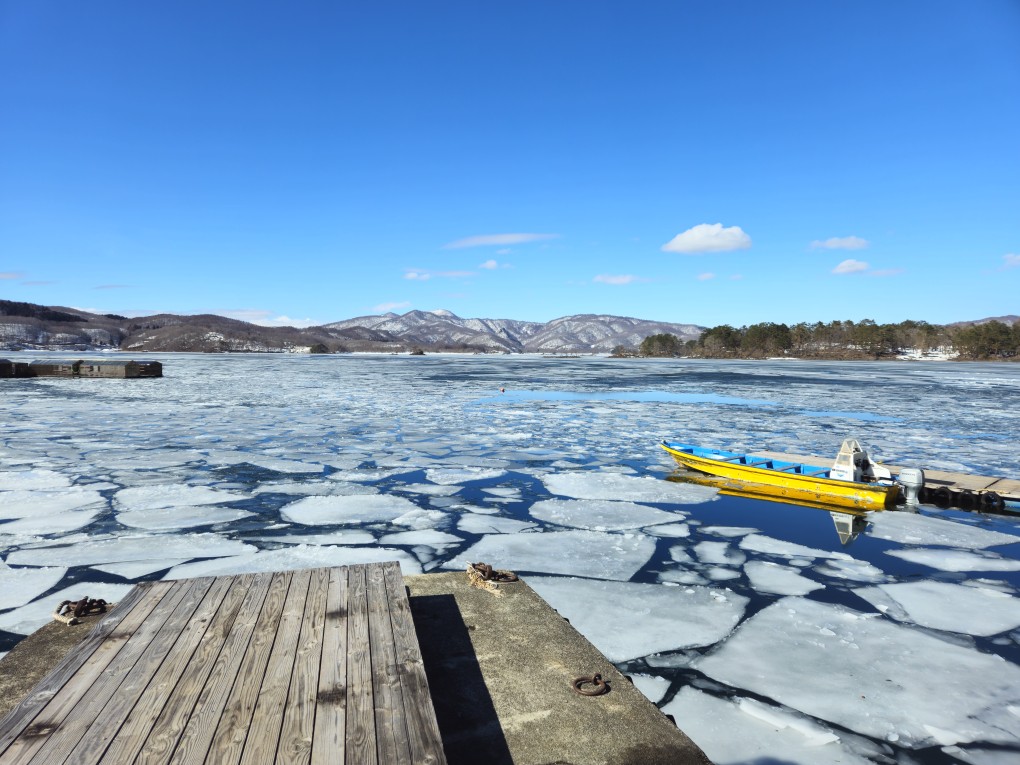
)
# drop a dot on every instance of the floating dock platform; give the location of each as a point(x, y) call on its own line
point(331, 665)
point(962, 489)
point(111, 368)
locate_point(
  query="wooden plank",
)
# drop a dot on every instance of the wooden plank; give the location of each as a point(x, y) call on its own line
point(390, 723)
point(169, 725)
point(329, 736)
point(267, 720)
point(106, 725)
point(228, 741)
point(360, 743)
point(140, 720)
point(425, 741)
point(91, 694)
point(213, 696)
point(299, 716)
point(50, 701)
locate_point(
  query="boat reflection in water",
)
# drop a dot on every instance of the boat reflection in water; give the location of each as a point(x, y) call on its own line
point(849, 523)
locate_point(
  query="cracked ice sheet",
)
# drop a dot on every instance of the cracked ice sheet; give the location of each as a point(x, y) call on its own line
point(870, 675)
point(606, 485)
point(956, 560)
point(917, 529)
point(766, 576)
point(355, 508)
point(944, 606)
point(130, 548)
point(292, 558)
point(652, 687)
point(574, 553)
point(646, 618)
point(166, 518)
point(172, 495)
point(598, 515)
point(27, 619)
point(766, 735)
point(20, 585)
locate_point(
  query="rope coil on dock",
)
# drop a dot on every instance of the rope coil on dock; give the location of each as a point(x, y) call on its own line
point(485, 577)
point(69, 611)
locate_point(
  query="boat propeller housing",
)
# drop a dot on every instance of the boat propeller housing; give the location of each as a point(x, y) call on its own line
point(911, 479)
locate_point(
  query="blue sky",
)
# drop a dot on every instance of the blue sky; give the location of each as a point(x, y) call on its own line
point(692, 161)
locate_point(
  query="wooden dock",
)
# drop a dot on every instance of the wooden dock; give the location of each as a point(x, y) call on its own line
point(313, 666)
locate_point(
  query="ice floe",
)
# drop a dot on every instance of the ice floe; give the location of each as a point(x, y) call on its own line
point(945, 606)
point(577, 553)
point(130, 548)
point(652, 686)
point(342, 537)
point(27, 503)
point(490, 524)
point(728, 531)
point(766, 576)
point(164, 518)
point(779, 547)
point(462, 475)
point(734, 733)
point(58, 523)
point(314, 488)
point(172, 495)
point(719, 553)
point(20, 585)
point(674, 530)
point(291, 558)
point(945, 559)
point(136, 569)
point(32, 480)
point(367, 508)
point(918, 529)
point(428, 537)
point(853, 570)
point(598, 515)
point(884, 680)
point(626, 620)
point(606, 485)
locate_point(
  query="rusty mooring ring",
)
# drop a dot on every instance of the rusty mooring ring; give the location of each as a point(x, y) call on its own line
point(596, 680)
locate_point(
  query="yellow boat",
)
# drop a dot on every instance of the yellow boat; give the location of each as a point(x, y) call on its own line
point(789, 480)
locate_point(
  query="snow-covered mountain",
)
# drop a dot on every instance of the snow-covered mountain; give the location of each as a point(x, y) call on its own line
point(580, 333)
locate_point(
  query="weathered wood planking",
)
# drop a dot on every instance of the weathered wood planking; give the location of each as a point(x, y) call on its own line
point(303, 667)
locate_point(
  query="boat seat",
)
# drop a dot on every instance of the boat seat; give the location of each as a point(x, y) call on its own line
point(788, 467)
point(759, 463)
point(817, 473)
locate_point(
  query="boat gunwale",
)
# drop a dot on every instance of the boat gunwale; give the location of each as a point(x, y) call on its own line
point(802, 478)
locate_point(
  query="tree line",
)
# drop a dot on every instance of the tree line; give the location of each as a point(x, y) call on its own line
point(991, 340)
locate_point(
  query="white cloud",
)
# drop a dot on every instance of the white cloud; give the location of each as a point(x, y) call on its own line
point(10, 275)
point(737, 277)
point(617, 279)
point(424, 276)
point(266, 318)
point(488, 240)
point(851, 266)
point(387, 307)
point(708, 237)
point(489, 265)
point(705, 276)
point(1011, 260)
point(840, 243)
point(504, 251)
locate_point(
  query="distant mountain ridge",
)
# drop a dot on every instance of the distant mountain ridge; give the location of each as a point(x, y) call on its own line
point(26, 326)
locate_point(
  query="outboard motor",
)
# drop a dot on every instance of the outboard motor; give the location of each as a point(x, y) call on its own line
point(911, 479)
point(853, 464)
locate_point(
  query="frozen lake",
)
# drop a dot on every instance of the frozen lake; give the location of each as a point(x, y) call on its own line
point(751, 623)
